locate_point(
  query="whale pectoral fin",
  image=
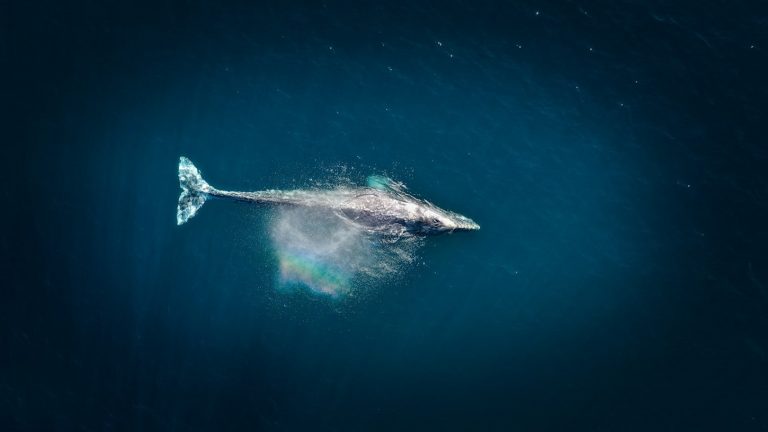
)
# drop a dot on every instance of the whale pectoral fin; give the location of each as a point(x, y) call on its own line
point(385, 184)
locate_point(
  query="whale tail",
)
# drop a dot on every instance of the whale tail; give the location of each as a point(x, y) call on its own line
point(194, 191)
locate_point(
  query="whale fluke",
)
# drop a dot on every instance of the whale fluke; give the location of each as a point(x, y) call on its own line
point(194, 191)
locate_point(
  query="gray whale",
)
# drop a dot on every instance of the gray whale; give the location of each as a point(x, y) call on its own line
point(381, 207)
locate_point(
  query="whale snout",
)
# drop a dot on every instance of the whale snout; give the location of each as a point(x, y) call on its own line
point(438, 221)
point(467, 225)
point(463, 223)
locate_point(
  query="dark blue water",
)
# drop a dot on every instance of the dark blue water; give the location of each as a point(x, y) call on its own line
point(614, 154)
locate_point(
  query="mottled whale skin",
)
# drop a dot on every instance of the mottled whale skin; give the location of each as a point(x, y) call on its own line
point(381, 207)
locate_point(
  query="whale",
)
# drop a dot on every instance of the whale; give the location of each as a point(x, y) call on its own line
point(382, 206)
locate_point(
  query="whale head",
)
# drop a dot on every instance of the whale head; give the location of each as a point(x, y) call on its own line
point(437, 221)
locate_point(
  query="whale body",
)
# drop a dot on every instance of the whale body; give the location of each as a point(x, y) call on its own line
point(382, 206)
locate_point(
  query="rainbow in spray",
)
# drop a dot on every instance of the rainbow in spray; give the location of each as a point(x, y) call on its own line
point(324, 256)
point(312, 271)
point(331, 257)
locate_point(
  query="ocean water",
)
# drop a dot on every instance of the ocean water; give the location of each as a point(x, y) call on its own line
point(614, 154)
